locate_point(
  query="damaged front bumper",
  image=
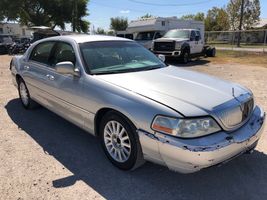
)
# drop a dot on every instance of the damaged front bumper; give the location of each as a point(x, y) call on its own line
point(191, 155)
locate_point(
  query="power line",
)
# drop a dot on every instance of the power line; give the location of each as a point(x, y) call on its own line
point(132, 10)
point(171, 4)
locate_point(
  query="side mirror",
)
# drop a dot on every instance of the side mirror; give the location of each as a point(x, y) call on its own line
point(67, 68)
point(162, 57)
point(197, 38)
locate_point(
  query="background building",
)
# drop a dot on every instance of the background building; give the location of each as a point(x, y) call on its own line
point(15, 30)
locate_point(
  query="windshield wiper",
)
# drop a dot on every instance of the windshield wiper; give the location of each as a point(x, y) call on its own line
point(128, 70)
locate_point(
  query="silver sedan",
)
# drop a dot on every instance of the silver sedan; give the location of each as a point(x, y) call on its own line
point(139, 107)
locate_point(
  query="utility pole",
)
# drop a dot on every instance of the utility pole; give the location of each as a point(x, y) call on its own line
point(74, 16)
point(241, 22)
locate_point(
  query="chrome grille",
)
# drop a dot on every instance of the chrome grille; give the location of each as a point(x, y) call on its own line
point(234, 117)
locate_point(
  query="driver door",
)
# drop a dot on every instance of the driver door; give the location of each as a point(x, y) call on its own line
point(66, 89)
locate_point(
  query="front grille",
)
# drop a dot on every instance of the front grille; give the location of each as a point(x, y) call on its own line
point(235, 116)
point(164, 46)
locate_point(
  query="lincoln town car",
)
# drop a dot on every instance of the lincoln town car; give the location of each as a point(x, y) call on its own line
point(139, 107)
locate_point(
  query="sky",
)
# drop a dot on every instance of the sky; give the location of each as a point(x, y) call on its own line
point(102, 10)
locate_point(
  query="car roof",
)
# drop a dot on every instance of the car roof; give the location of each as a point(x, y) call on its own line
point(82, 38)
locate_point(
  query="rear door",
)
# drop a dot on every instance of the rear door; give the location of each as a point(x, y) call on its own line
point(199, 43)
point(192, 42)
point(35, 70)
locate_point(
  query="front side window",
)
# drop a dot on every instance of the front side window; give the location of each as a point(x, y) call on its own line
point(41, 52)
point(118, 57)
point(63, 52)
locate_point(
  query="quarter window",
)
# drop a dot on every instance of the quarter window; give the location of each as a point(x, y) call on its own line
point(41, 52)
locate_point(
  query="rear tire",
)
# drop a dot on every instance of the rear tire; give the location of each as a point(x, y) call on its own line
point(120, 142)
point(24, 95)
point(213, 52)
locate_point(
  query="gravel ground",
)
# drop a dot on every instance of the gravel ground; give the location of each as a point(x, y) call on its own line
point(42, 156)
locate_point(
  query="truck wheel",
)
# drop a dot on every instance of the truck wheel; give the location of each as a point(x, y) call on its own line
point(120, 142)
point(185, 57)
point(213, 52)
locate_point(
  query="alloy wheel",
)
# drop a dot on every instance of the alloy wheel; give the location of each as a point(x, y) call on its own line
point(117, 141)
point(24, 93)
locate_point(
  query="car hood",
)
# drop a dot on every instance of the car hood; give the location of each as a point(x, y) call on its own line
point(172, 39)
point(190, 93)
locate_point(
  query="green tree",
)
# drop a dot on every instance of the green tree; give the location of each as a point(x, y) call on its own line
point(251, 14)
point(146, 16)
point(118, 23)
point(100, 31)
point(217, 20)
point(199, 17)
point(47, 13)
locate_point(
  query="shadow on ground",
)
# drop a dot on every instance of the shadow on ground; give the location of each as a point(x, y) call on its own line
point(242, 178)
point(192, 63)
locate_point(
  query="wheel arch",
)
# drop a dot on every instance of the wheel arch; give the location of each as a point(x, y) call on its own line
point(185, 47)
point(102, 112)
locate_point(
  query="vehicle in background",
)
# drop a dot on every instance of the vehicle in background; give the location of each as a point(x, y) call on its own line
point(41, 32)
point(183, 43)
point(146, 38)
point(19, 46)
point(124, 34)
point(5, 41)
point(148, 29)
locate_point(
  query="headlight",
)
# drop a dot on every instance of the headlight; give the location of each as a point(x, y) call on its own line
point(185, 128)
point(178, 45)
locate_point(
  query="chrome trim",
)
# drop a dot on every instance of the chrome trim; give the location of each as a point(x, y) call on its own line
point(235, 113)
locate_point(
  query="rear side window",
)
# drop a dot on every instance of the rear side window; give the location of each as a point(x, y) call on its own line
point(63, 52)
point(198, 34)
point(193, 35)
point(41, 52)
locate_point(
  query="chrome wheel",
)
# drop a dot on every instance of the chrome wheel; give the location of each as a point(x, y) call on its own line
point(24, 93)
point(117, 141)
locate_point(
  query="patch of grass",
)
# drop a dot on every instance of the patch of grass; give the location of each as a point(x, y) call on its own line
point(257, 46)
point(240, 57)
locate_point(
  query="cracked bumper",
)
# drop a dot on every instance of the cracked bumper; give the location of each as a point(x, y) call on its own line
point(191, 155)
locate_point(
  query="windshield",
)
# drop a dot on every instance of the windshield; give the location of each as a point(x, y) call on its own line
point(177, 34)
point(145, 35)
point(118, 57)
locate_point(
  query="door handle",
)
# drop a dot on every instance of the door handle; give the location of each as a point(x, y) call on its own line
point(50, 77)
point(26, 67)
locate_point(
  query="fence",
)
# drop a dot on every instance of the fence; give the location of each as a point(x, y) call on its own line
point(252, 40)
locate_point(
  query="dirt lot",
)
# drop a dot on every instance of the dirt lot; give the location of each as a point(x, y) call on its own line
point(42, 156)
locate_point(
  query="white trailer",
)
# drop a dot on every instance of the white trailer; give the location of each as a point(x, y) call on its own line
point(148, 29)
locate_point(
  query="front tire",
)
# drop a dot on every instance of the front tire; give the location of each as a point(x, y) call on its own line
point(120, 142)
point(185, 57)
